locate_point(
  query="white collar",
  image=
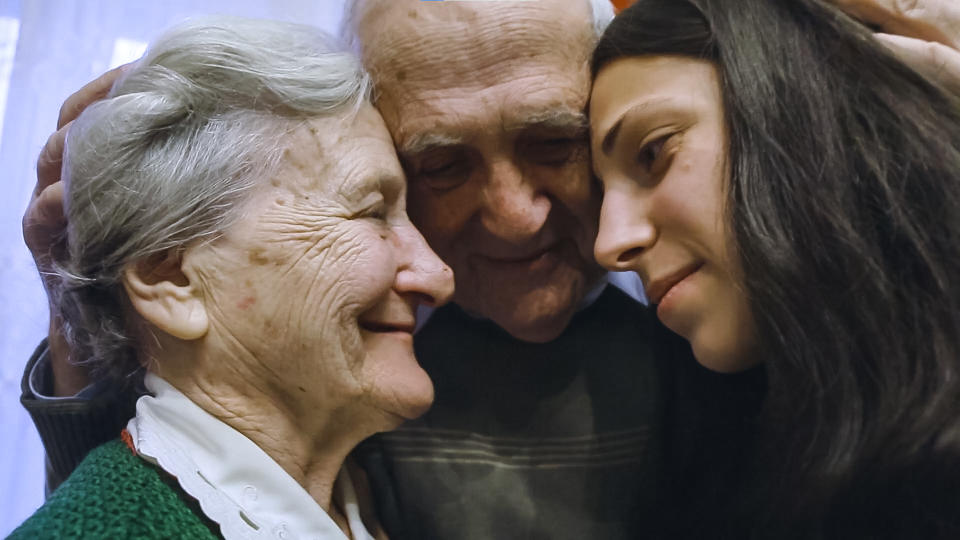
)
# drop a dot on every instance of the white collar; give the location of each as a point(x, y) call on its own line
point(237, 484)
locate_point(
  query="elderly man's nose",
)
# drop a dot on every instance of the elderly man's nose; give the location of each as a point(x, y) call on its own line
point(422, 273)
point(625, 232)
point(513, 206)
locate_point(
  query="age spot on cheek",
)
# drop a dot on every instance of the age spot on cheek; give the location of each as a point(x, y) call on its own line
point(258, 257)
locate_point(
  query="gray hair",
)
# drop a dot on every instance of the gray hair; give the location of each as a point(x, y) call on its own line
point(167, 159)
point(601, 12)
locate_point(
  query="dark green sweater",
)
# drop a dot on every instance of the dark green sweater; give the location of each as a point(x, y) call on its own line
point(115, 494)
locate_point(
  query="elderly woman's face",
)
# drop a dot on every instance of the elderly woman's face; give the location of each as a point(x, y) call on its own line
point(658, 141)
point(314, 290)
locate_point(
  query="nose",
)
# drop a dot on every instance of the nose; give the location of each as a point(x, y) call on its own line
point(625, 231)
point(513, 208)
point(421, 273)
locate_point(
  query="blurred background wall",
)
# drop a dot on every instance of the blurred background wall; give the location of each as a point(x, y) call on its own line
point(49, 49)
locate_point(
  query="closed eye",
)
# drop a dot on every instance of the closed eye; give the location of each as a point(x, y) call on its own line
point(557, 151)
point(441, 169)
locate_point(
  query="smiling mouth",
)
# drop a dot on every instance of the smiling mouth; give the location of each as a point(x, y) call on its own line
point(659, 288)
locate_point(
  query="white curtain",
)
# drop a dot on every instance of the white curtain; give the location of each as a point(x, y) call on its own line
point(48, 49)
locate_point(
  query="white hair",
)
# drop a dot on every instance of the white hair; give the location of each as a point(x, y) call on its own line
point(167, 159)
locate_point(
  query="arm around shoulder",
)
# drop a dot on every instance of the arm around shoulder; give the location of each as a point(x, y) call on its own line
point(70, 427)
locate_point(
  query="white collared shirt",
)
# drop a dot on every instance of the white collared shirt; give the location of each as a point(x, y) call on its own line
point(236, 483)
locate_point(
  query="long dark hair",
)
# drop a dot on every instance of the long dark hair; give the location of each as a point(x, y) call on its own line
point(844, 203)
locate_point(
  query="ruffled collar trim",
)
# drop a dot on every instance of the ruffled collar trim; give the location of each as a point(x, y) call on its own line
point(236, 483)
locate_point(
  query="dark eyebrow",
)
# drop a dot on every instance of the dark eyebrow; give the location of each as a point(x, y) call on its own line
point(610, 139)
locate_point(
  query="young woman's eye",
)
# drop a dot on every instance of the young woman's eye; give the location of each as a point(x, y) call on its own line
point(650, 152)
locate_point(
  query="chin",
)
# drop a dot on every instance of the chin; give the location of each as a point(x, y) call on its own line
point(408, 397)
point(538, 329)
point(722, 359)
point(542, 315)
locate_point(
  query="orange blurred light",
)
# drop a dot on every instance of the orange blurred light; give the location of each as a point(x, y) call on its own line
point(619, 5)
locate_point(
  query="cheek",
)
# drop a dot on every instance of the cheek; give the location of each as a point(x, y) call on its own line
point(359, 272)
point(572, 184)
point(692, 196)
point(440, 217)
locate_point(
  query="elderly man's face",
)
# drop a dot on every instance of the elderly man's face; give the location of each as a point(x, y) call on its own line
point(485, 105)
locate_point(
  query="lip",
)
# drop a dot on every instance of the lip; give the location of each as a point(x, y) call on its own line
point(659, 288)
point(522, 258)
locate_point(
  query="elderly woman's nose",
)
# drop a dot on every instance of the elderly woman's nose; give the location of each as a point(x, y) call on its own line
point(625, 232)
point(421, 271)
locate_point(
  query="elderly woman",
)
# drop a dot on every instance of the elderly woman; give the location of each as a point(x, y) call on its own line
point(237, 228)
point(790, 194)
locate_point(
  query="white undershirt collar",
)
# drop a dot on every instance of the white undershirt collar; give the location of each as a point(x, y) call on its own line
point(237, 484)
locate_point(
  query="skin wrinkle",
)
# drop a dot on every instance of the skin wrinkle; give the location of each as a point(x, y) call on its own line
point(463, 100)
point(558, 118)
point(434, 107)
point(315, 264)
point(477, 42)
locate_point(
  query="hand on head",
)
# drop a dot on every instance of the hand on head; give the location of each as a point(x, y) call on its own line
point(44, 221)
point(925, 34)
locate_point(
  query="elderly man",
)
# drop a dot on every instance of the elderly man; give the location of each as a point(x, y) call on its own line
point(550, 401)
point(562, 410)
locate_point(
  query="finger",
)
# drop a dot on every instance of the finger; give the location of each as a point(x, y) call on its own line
point(931, 20)
point(44, 220)
point(50, 160)
point(93, 91)
point(937, 62)
point(48, 207)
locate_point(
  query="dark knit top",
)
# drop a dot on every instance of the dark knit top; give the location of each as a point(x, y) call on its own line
point(114, 494)
point(587, 436)
point(610, 431)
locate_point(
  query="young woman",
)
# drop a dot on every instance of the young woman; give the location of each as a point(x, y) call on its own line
point(789, 192)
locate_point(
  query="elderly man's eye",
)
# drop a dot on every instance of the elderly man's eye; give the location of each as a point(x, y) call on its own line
point(443, 176)
point(557, 151)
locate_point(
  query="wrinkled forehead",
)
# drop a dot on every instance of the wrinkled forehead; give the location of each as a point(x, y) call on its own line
point(446, 42)
point(328, 155)
point(445, 59)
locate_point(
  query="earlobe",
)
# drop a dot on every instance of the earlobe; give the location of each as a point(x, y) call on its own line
point(165, 296)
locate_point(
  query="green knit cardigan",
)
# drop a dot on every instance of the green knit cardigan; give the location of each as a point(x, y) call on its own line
point(115, 494)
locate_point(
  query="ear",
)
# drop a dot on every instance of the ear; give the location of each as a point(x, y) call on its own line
point(164, 295)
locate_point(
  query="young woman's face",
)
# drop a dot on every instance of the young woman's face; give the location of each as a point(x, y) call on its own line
point(658, 142)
